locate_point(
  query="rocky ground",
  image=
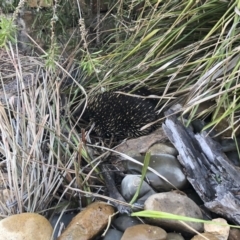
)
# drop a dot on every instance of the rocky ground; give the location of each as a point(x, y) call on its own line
point(100, 220)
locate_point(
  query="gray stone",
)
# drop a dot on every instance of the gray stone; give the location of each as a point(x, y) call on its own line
point(61, 220)
point(174, 203)
point(129, 187)
point(125, 221)
point(174, 236)
point(163, 148)
point(113, 234)
point(167, 166)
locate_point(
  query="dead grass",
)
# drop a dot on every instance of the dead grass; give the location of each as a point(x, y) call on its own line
point(35, 147)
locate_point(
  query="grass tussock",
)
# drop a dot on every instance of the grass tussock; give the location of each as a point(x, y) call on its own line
point(184, 51)
point(34, 147)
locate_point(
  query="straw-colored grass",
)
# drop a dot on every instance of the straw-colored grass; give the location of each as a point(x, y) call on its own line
point(38, 153)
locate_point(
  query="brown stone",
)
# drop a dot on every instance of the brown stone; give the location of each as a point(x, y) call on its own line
point(220, 231)
point(144, 232)
point(88, 223)
point(234, 234)
point(209, 236)
point(174, 203)
point(25, 226)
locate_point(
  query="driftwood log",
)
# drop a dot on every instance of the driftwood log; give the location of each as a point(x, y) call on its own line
point(215, 179)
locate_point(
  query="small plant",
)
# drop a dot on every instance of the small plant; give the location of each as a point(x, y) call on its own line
point(169, 216)
point(91, 63)
point(7, 31)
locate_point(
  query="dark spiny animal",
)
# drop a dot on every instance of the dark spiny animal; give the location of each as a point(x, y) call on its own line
point(120, 115)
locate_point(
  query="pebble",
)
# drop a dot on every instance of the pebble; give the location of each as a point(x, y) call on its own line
point(162, 148)
point(139, 146)
point(175, 203)
point(230, 149)
point(234, 234)
point(25, 226)
point(89, 222)
point(221, 232)
point(144, 232)
point(113, 234)
point(167, 166)
point(124, 221)
point(205, 236)
point(129, 187)
point(174, 236)
point(60, 221)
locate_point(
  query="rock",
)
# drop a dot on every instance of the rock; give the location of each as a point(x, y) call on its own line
point(144, 232)
point(174, 203)
point(163, 148)
point(139, 146)
point(208, 236)
point(129, 187)
point(229, 147)
point(174, 236)
point(221, 232)
point(25, 226)
point(88, 223)
point(167, 166)
point(113, 234)
point(234, 234)
point(124, 221)
point(60, 221)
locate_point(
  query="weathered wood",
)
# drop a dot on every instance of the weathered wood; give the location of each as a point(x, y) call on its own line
point(213, 176)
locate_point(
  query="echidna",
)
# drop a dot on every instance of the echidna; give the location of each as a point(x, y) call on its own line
point(120, 115)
